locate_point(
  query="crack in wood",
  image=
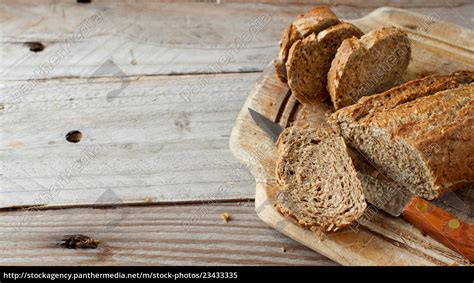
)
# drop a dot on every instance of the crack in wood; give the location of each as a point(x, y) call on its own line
point(124, 204)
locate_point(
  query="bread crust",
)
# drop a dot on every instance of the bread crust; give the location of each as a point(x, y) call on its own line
point(309, 61)
point(368, 65)
point(433, 117)
point(314, 21)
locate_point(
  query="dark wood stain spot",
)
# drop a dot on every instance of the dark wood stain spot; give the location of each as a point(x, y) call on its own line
point(79, 242)
point(74, 136)
point(35, 46)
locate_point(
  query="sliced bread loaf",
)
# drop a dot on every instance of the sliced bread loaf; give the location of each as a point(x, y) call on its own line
point(368, 65)
point(420, 134)
point(310, 58)
point(314, 21)
point(318, 185)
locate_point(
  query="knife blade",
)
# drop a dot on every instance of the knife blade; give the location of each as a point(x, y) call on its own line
point(272, 129)
point(430, 219)
point(385, 196)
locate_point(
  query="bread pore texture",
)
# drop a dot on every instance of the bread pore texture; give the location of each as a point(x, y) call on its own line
point(314, 21)
point(318, 185)
point(420, 134)
point(368, 65)
point(309, 61)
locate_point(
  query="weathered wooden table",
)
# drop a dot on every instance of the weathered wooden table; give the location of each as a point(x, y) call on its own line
point(115, 118)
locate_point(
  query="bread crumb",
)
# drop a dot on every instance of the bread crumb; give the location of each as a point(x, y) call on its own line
point(226, 216)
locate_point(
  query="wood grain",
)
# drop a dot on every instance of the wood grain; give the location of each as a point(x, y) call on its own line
point(150, 235)
point(376, 239)
point(153, 38)
point(144, 38)
point(152, 143)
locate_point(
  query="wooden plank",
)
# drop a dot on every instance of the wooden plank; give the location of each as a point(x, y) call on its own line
point(152, 38)
point(377, 238)
point(152, 142)
point(142, 37)
point(353, 3)
point(170, 145)
point(150, 235)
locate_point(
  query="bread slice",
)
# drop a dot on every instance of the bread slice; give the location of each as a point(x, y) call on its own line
point(309, 61)
point(420, 134)
point(314, 21)
point(318, 185)
point(375, 185)
point(368, 65)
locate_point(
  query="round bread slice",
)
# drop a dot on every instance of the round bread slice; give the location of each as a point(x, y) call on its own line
point(316, 20)
point(309, 61)
point(318, 185)
point(368, 65)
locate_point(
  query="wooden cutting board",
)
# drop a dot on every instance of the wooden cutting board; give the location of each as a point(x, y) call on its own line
point(378, 239)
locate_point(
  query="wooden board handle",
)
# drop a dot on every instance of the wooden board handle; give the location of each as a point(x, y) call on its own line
point(442, 226)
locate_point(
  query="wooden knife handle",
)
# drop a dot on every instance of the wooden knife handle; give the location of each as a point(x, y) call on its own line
point(440, 225)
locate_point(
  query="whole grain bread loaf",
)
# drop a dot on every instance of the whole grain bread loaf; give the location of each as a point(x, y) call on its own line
point(309, 61)
point(314, 21)
point(318, 185)
point(368, 65)
point(420, 134)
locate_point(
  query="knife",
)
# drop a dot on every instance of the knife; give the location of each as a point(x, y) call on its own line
point(272, 129)
point(430, 219)
point(424, 215)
